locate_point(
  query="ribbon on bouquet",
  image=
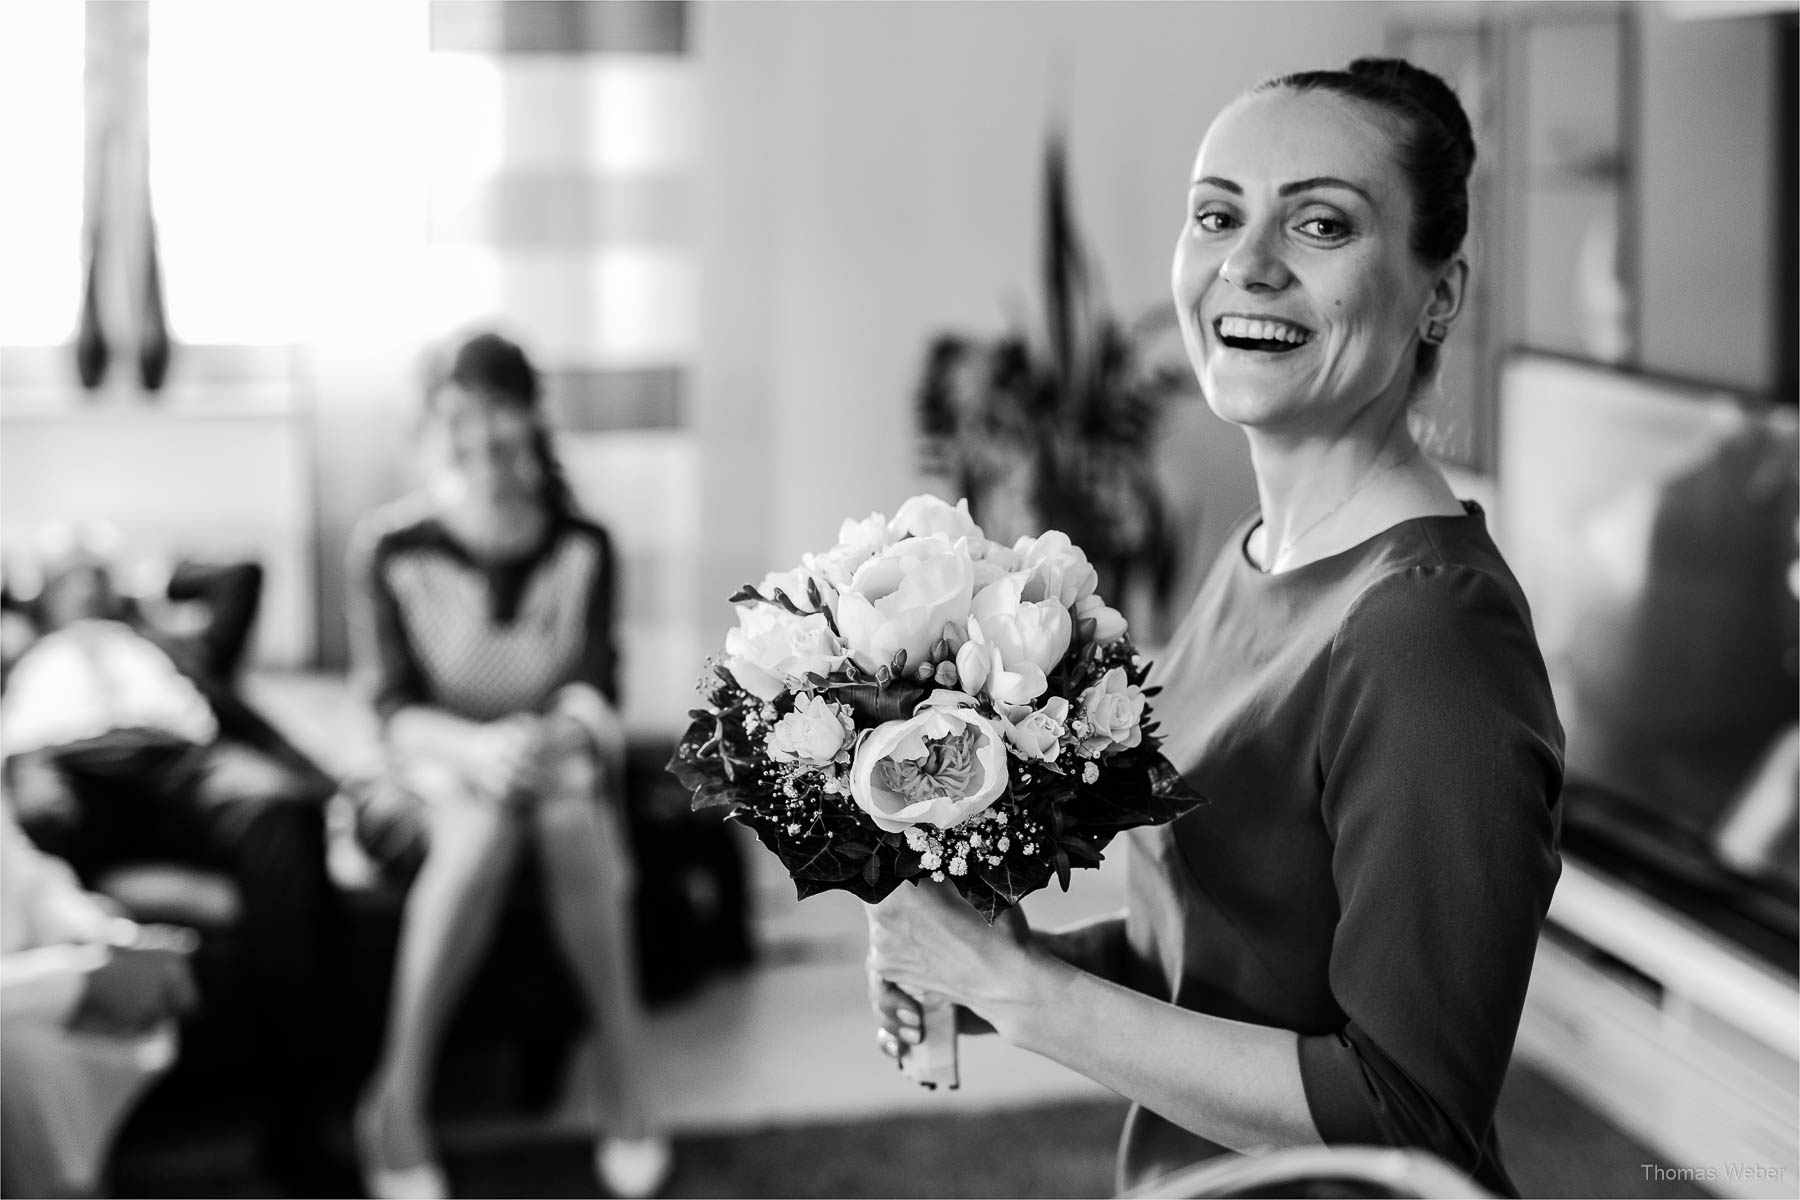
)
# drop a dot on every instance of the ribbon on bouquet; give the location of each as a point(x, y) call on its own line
point(931, 1061)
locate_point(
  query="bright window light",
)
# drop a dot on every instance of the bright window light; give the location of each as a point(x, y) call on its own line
point(41, 50)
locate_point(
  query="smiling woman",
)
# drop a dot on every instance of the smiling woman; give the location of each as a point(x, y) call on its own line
point(1336, 947)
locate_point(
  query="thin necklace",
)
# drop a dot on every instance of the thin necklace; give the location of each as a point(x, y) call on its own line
point(1287, 544)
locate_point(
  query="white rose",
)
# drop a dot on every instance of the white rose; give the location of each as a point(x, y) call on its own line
point(771, 648)
point(1113, 710)
point(1026, 632)
point(1109, 622)
point(814, 732)
point(903, 597)
point(1059, 569)
point(925, 515)
point(1039, 733)
point(939, 767)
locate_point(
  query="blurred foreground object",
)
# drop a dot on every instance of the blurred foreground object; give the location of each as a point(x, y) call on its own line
point(86, 1023)
point(1318, 1171)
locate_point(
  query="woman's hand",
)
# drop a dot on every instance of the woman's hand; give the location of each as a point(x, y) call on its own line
point(926, 938)
point(507, 755)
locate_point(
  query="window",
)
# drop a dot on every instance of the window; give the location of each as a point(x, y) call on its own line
point(41, 138)
point(264, 126)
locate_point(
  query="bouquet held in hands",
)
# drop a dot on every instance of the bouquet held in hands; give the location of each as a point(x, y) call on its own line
point(918, 702)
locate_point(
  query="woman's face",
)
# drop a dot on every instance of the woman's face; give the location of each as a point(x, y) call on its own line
point(482, 450)
point(1298, 296)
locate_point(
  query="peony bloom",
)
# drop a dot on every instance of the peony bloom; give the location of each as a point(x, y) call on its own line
point(813, 733)
point(770, 648)
point(1039, 733)
point(1113, 710)
point(903, 597)
point(940, 767)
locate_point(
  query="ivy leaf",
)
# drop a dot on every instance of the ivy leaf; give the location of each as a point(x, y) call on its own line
point(1015, 877)
point(1080, 847)
point(1137, 787)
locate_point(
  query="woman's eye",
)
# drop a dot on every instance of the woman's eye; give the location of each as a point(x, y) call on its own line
point(1325, 229)
point(1212, 220)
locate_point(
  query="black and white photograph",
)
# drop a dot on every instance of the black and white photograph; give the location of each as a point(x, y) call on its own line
point(899, 598)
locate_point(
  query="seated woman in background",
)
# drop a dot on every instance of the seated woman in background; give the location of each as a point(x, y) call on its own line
point(482, 628)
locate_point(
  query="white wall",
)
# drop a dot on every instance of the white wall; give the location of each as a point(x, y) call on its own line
point(870, 175)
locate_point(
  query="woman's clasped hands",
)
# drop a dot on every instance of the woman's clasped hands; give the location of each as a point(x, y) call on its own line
point(925, 938)
point(510, 759)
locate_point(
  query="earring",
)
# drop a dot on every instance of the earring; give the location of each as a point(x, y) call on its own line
point(1436, 332)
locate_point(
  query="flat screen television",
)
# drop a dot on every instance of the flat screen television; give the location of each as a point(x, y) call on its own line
point(1652, 524)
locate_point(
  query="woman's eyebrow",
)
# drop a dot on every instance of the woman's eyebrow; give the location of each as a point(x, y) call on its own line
point(1323, 181)
point(1288, 189)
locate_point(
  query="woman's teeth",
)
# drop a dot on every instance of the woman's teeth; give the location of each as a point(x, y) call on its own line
point(1243, 333)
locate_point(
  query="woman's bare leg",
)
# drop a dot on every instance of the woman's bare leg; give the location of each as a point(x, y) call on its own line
point(588, 877)
point(448, 922)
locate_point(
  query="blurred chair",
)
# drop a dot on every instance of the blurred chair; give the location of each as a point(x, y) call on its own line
point(1318, 1171)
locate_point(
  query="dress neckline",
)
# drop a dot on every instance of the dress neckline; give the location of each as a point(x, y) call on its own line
point(1253, 521)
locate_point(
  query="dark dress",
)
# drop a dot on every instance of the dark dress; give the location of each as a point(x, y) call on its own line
point(433, 625)
point(1376, 736)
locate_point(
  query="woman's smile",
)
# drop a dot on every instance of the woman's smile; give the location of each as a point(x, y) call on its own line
point(1263, 335)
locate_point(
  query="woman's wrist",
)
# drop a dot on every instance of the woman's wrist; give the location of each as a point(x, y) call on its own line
point(1041, 984)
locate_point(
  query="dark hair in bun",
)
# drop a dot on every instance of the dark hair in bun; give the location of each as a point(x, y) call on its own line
point(497, 369)
point(1437, 150)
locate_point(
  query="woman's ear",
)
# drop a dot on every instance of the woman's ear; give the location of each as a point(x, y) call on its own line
point(1446, 300)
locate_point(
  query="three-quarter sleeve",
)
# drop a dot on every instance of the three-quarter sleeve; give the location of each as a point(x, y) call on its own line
point(1442, 760)
point(598, 663)
point(381, 658)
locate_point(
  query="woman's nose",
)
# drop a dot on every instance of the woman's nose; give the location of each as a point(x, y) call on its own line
point(1255, 263)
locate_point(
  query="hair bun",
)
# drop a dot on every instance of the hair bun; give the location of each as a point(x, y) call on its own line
point(1429, 92)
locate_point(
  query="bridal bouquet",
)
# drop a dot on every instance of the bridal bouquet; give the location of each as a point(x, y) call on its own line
point(918, 702)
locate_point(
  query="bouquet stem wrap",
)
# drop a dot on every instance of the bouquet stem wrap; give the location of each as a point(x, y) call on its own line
point(931, 1061)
